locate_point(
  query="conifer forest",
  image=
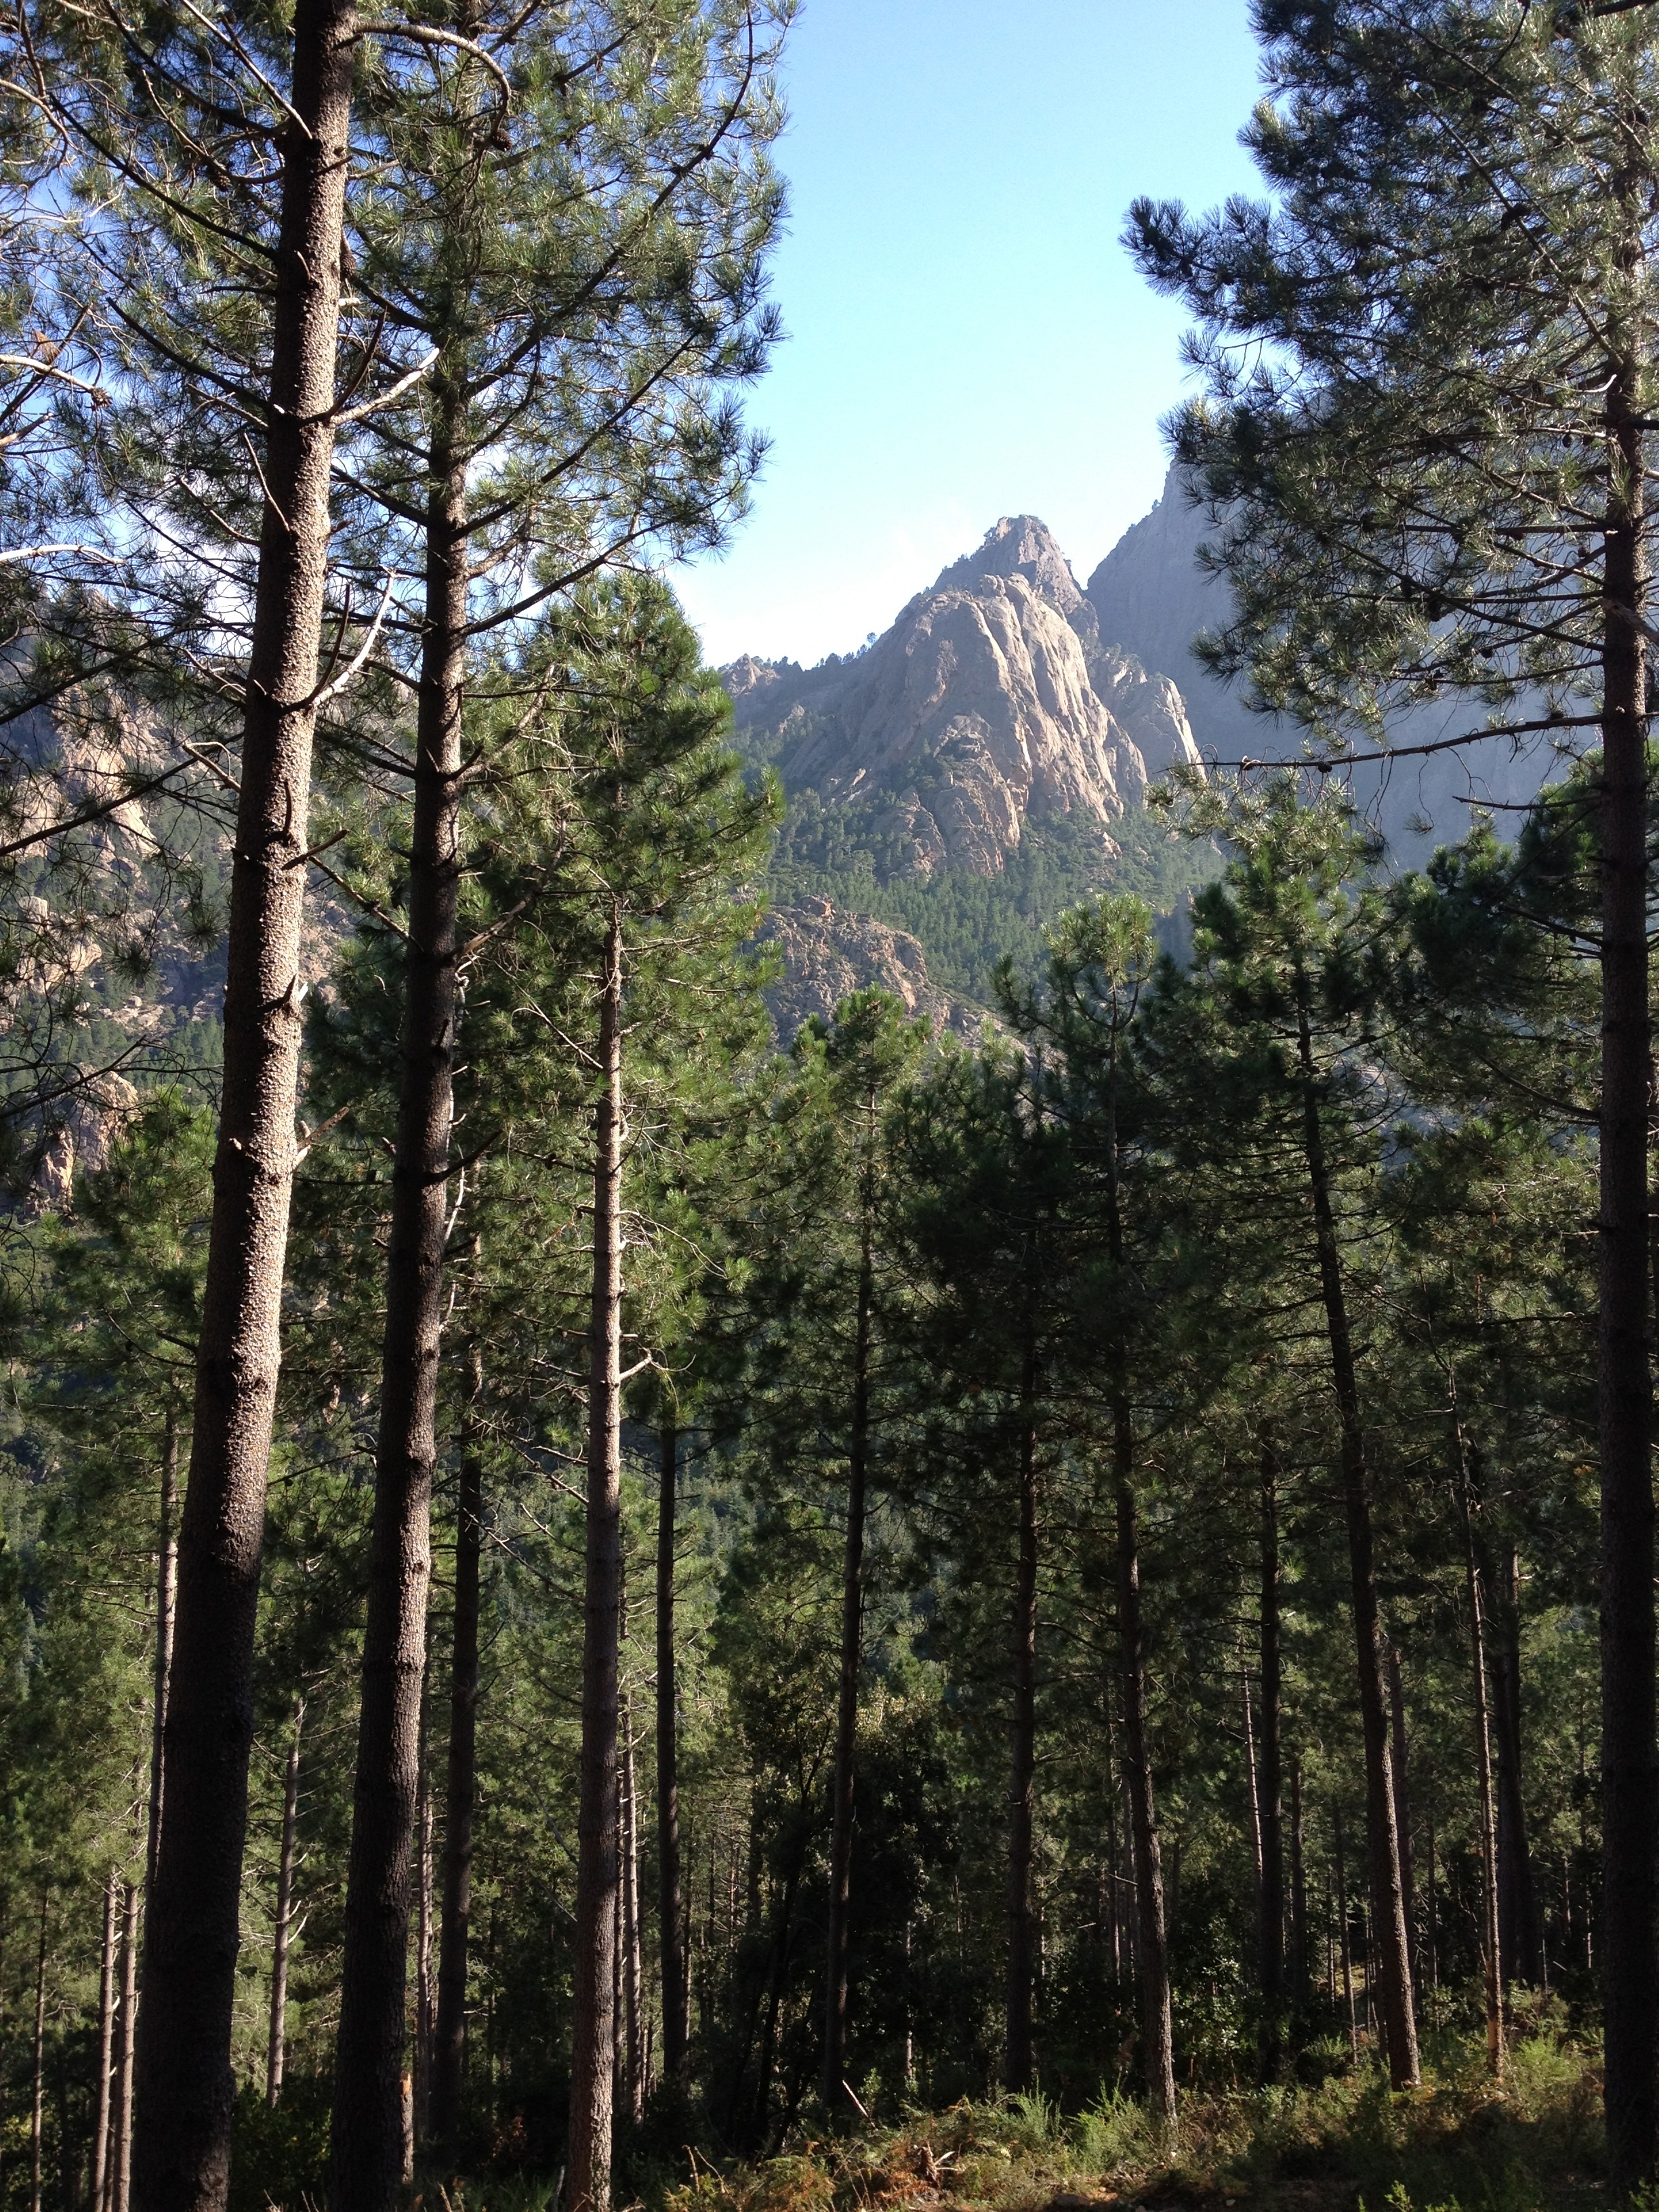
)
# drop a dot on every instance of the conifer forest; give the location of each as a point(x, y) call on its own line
point(610, 1601)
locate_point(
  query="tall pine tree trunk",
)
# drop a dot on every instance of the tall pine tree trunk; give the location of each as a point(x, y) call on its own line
point(1299, 1973)
point(449, 2051)
point(1270, 1920)
point(120, 2194)
point(1517, 1900)
point(367, 2138)
point(594, 2025)
point(100, 2137)
point(37, 2104)
point(1630, 1777)
point(185, 2087)
point(276, 2039)
point(166, 1598)
point(1022, 1764)
point(1490, 1944)
point(632, 1973)
point(1156, 2019)
point(847, 1712)
point(1402, 1804)
point(671, 1918)
point(1391, 1961)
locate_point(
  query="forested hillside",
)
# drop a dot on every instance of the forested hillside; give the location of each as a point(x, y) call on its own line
point(630, 1575)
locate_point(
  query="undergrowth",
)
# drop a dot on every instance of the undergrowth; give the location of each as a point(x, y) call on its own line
point(1462, 2143)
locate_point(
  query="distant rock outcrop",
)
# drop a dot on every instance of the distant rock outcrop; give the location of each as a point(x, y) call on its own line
point(828, 953)
point(992, 698)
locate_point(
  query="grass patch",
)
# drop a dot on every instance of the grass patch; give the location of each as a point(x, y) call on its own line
point(1462, 2143)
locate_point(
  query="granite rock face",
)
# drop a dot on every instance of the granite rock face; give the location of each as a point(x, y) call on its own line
point(828, 952)
point(992, 698)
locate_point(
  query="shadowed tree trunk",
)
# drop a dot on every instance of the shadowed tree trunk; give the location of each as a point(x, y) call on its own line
point(449, 2053)
point(1345, 1938)
point(36, 2106)
point(167, 1596)
point(185, 2087)
point(632, 2038)
point(1300, 1973)
point(1402, 1803)
point(367, 2137)
point(121, 2156)
point(594, 2025)
point(100, 2135)
point(276, 2041)
point(852, 1615)
point(1270, 1921)
point(1630, 1777)
point(671, 1920)
point(1022, 1774)
point(1391, 1961)
point(1520, 1935)
point(1490, 1949)
point(1157, 2029)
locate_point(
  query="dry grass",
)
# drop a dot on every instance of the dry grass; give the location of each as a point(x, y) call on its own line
point(1459, 2144)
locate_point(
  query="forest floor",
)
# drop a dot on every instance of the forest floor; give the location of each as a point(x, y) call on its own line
point(1462, 2143)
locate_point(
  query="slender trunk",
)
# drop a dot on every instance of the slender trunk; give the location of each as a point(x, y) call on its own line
point(166, 1597)
point(1490, 1959)
point(1431, 1930)
point(1390, 1961)
point(592, 2029)
point(35, 2108)
point(1343, 1939)
point(422, 2084)
point(1630, 1775)
point(186, 2089)
point(634, 2035)
point(1270, 1924)
point(1156, 2018)
point(1517, 1902)
point(1298, 1891)
point(1402, 1803)
point(1251, 1791)
point(676, 1989)
point(449, 2055)
point(105, 2044)
point(1022, 1763)
point(121, 2161)
point(275, 2044)
point(852, 1611)
point(367, 2139)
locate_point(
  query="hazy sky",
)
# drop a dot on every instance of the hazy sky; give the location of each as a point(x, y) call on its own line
point(967, 339)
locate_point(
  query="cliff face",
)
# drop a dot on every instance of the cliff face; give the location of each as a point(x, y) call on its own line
point(991, 700)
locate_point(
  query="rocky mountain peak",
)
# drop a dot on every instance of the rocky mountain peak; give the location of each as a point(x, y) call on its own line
point(1018, 545)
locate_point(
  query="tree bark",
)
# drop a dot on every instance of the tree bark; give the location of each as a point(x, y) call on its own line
point(166, 1598)
point(671, 1920)
point(101, 2136)
point(1521, 1940)
point(275, 2044)
point(1402, 1805)
point(1391, 1961)
point(632, 1976)
point(423, 1954)
point(1157, 2026)
point(1630, 1774)
point(1299, 1974)
point(852, 1613)
point(1022, 1764)
point(1270, 1921)
point(589, 2178)
point(367, 2157)
point(121, 2159)
point(36, 2108)
point(1491, 1947)
point(449, 2054)
point(185, 2087)
point(1344, 1938)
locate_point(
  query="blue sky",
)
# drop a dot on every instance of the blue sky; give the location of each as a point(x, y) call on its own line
point(967, 338)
